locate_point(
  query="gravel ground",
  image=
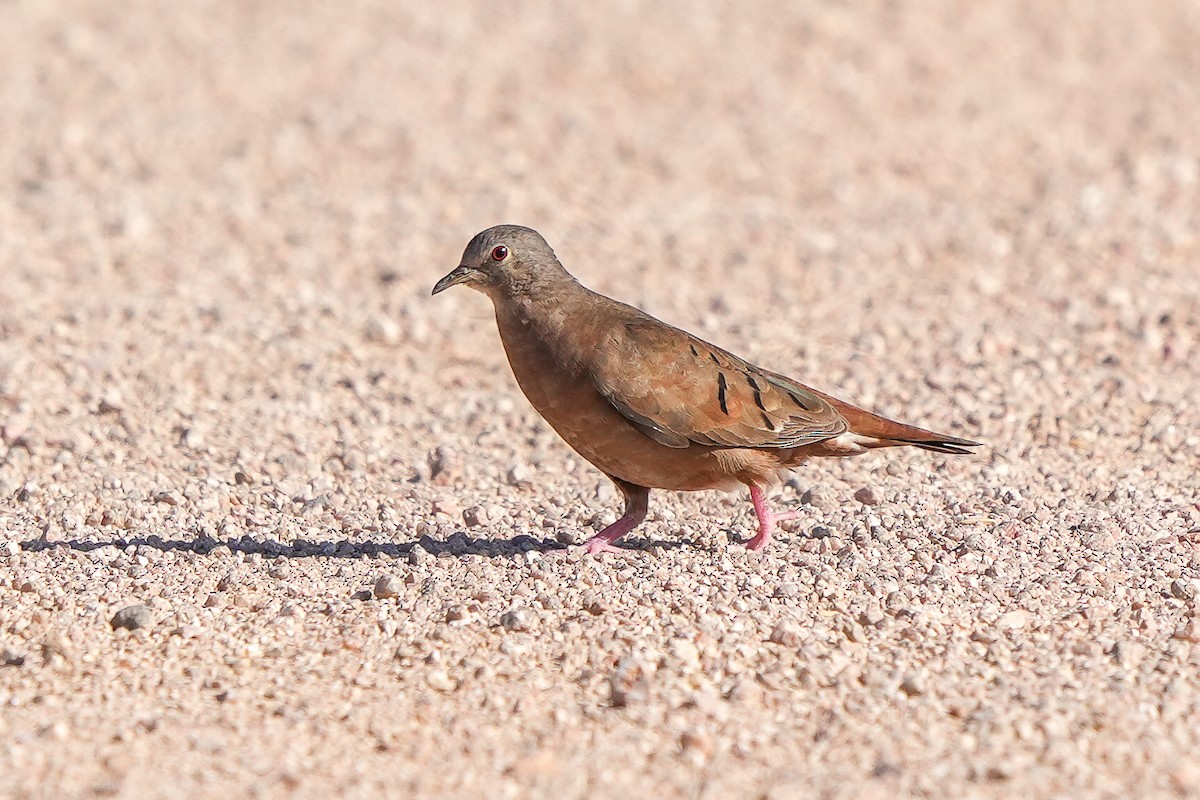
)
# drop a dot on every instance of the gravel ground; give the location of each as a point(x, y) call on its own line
point(275, 523)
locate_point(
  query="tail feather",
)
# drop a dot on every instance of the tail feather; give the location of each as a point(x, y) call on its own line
point(890, 433)
point(951, 445)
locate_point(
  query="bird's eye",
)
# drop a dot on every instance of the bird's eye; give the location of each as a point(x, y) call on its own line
point(499, 252)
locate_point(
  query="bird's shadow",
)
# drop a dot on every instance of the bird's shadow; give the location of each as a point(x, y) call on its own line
point(456, 545)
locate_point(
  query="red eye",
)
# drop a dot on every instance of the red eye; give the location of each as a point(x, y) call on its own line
point(499, 252)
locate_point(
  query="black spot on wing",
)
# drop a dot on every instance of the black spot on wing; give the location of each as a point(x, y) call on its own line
point(807, 406)
point(767, 421)
point(758, 401)
point(722, 388)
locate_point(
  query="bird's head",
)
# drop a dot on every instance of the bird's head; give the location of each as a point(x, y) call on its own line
point(507, 260)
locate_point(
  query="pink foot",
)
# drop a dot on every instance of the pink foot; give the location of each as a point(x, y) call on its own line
point(637, 502)
point(597, 545)
point(759, 541)
point(766, 520)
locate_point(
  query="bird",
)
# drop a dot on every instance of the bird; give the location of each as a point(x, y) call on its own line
point(650, 405)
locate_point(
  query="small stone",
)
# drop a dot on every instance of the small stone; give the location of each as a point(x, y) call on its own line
point(57, 646)
point(440, 680)
point(446, 507)
point(518, 475)
point(686, 652)
point(628, 685)
point(475, 516)
point(133, 617)
point(913, 684)
point(694, 741)
point(1013, 620)
point(381, 329)
point(593, 604)
point(362, 594)
point(871, 616)
point(866, 495)
point(786, 590)
point(419, 555)
point(11, 658)
point(1184, 590)
point(820, 497)
point(785, 635)
point(387, 586)
point(456, 613)
point(11, 548)
point(443, 465)
point(516, 619)
point(278, 572)
point(605, 492)
point(189, 631)
point(1188, 631)
point(191, 438)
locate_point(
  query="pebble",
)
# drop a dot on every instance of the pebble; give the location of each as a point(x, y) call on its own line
point(871, 616)
point(133, 617)
point(1013, 620)
point(695, 741)
point(784, 634)
point(593, 604)
point(686, 652)
point(387, 586)
point(821, 497)
point(443, 465)
point(382, 329)
point(516, 619)
point(438, 679)
point(913, 684)
point(475, 516)
point(1188, 631)
point(446, 507)
point(866, 495)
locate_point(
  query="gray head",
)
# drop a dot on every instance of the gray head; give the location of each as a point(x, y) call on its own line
point(507, 260)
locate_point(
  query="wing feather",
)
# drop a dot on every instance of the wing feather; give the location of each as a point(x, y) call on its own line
point(680, 390)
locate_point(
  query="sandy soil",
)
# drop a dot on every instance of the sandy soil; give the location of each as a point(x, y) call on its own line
point(226, 397)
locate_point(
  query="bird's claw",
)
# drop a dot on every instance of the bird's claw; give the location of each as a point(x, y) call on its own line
point(597, 545)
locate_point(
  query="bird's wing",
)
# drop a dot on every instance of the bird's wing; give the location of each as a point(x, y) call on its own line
point(680, 390)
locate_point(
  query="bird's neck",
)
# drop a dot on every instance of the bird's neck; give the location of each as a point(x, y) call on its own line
point(549, 320)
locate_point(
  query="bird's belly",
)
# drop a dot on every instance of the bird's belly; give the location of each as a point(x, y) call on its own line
point(597, 431)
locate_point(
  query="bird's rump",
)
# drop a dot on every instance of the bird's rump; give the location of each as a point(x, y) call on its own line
point(687, 391)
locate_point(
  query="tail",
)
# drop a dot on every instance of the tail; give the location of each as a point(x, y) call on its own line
point(877, 431)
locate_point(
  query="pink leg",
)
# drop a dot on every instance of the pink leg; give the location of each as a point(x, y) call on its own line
point(766, 519)
point(637, 503)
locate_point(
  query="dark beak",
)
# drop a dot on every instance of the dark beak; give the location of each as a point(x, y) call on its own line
point(455, 277)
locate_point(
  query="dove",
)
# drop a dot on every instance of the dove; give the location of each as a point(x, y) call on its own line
point(650, 405)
